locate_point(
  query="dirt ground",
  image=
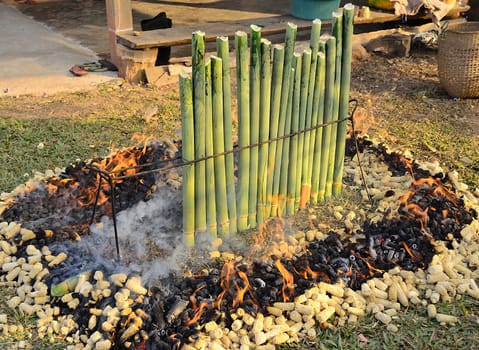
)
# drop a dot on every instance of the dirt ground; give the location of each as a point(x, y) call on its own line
point(85, 20)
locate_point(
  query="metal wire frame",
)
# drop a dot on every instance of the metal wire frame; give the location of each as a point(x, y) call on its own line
point(113, 177)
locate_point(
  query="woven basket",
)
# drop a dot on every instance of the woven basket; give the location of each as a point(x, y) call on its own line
point(458, 60)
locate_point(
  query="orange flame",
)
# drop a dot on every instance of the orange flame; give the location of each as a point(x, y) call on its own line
point(371, 268)
point(118, 164)
point(241, 291)
point(198, 309)
point(288, 281)
point(408, 250)
point(234, 282)
point(437, 187)
point(308, 273)
point(420, 214)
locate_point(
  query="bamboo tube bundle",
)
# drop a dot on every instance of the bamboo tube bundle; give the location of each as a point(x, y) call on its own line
point(265, 107)
point(338, 34)
point(310, 117)
point(277, 76)
point(188, 154)
point(219, 145)
point(243, 81)
point(255, 94)
point(209, 151)
point(328, 112)
point(223, 53)
point(293, 150)
point(281, 175)
point(305, 70)
point(283, 185)
point(319, 119)
point(289, 42)
point(199, 101)
point(348, 14)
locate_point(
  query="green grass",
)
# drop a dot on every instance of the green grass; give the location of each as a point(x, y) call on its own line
point(432, 139)
point(416, 331)
point(36, 143)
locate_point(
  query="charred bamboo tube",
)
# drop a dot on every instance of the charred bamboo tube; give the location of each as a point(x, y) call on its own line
point(384, 318)
point(223, 53)
point(58, 259)
point(328, 113)
point(219, 145)
point(305, 71)
point(255, 94)
point(276, 105)
point(443, 318)
point(209, 151)
point(283, 185)
point(242, 81)
point(199, 107)
point(293, 150)
point(135, 285)
point(318, 114)
point(289, 42)
point(333, 289)
point(338, 34)
point(68, 285)
point(348, 14)
point(311, 117)
point(265, 108)
point(188, 154)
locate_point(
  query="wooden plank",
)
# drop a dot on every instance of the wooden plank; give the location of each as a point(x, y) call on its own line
point(181, 35)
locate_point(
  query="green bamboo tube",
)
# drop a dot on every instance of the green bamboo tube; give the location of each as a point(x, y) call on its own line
point(318, 113)
point(199, 101)
point(338, 34)
point(289, 43)
point(242, 82)
point(276, 103)
point(311, 117)
point(219, 146)
point(223, 53)
point(305, 70)
point(265, 107)
point(255, 94)
point(188, 154)
point(293, 150)
point(348, 14)
point(328, 113)
point(283, 185)
point(210, 163)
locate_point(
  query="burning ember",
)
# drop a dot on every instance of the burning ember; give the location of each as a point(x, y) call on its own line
point(408, 252)
point(66, 203)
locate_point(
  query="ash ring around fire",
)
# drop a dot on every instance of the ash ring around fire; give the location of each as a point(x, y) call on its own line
point(374, 261)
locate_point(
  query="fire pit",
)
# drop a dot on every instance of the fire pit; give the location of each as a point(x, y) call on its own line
point(417, 243)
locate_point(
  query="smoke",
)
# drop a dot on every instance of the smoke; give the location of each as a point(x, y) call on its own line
point(149, 235)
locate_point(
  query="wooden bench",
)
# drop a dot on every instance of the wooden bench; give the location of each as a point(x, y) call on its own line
point(138, 49)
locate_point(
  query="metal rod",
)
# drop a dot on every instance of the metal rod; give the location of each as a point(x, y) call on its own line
point(235, 150)
point(97, 195)
point(113, 213)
